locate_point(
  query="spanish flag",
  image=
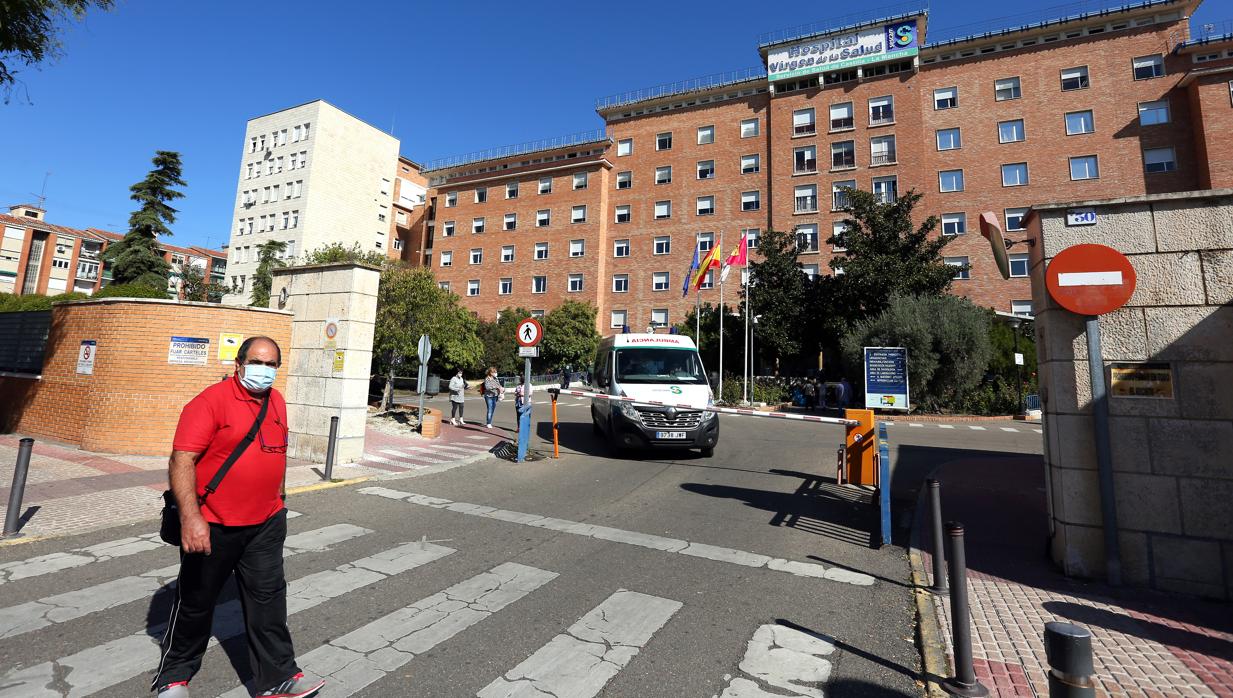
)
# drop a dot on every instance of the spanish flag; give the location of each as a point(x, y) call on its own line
point(710, 261)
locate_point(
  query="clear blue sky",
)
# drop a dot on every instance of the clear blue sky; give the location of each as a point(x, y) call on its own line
point(446, 77)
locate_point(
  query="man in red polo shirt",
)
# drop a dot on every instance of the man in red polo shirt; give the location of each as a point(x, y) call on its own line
point(238, 528)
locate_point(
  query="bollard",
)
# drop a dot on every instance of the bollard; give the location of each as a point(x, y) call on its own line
point(939, 554)
point(329, 449)
point(839, 466)
point(1068, 649)
point(556, 441)
point(13, 515)
point(964, 682)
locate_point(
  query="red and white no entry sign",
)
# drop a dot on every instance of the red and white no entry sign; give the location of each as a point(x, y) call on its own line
point(529, 332)
point(1090, 279)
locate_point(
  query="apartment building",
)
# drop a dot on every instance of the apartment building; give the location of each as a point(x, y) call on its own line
point(1115, 102)
point(37, 257)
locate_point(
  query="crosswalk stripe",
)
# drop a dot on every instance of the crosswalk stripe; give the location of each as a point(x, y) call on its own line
point(975, 428)
point(469, 449)
point(477, 436)
point(785, 658)
point(1038, 431)
point(582, 660)
point(644, 540)
point(402, 456)
point(61, 608)
point(112, 662)
point(1009, 429)
point(368, 653)
point(914, 424)
point(946, 426)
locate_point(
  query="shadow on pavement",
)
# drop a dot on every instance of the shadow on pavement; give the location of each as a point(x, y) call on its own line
point(857, 687)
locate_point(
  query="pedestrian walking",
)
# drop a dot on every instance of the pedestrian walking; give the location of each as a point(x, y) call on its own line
point(228, 500)
point(565, 378)
point(522, 406)
point(844, 393)
point(811, 395)
point(458, 386)
point(493, 390)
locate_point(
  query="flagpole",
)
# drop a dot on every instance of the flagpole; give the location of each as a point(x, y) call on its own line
point(721, 319)
point(745, 277)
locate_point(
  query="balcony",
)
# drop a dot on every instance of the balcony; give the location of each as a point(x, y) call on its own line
point(808, 129)
point(843, 161)
point(886, 158)
point(808, 166)
point(881, 117)
point(806, 204)
point(843, 124)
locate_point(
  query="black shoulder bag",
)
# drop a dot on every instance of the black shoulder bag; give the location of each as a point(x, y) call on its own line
point(169, 529)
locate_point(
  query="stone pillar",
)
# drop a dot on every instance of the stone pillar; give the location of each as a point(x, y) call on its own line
point(335, 308)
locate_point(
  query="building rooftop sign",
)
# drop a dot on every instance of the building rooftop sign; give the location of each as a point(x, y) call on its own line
point(884, 42)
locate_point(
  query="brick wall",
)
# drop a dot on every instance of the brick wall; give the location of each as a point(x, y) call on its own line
point(132, 401)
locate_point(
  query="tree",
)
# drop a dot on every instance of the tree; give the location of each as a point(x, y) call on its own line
point(708, 348)
point(570, 338)
point(500, 347)
point(410, 304)
point(780, 298)
point(197, 287)
point(269, 258)
point(137, 258)
point(28, 32)
point(336, 252)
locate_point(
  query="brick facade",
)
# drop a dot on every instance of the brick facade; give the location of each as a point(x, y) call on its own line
point(132, 401)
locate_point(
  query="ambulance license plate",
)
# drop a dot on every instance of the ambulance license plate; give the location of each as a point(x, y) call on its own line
point(669, 434)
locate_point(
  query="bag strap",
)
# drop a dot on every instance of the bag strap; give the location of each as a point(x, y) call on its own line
point(239, 449)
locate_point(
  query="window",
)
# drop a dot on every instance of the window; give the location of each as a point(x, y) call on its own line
point(620, 283)
point(577, 248)
point(1015, 174)
point(663, 245)
point(946, 98)
point(706, 135)
point(841, 116)
point(659, 317)
point(507, 253)
point(811, 271)
point(749, 128)
point(751, 164)
point(543, 218)
point(807, 238)
point(481, 195)
point(443, 285)
point(477, 225)
point(447, 229)
point(751, 238)
point(1007, 88)
point(843, 155)
point(881, 110)
point(477, 256)
point(751, 201)
point(398, 244)
point(451, 199)
point(839, 195)
point(625, 146)
point(886, 189)
point(511, 190)
point(545, 185)
point(706, 205)
point(949, 139)
point(580, 180)
point(961, 266)
point(295, 219)
point(575, 283)
point(1014, 218)
point(954, 223)
point(541, 251)
point(706, 169)
point(537, 314)
point(62, 263)
point(706, 241)
point(539, 284)
point(1010, 131)
point(663, 210)
point(882, 149)
point(510, 222)
point(663, 141)
point(807, 198)
point(1084, 167)
point(803, 122)
point(620, 248)
point(660, 281)
point(625, 180)
point(617, 319)
point(447, 259)
point(1018, 265)
point(1147, 67)
point(838, 230)
point(1021, 308)
point(622, 214)
point(708, 280)
point(1078, 122)
point(286, 220)
point(505, 286)
point(578, 214)
point(805, 160)
point(1159, 160)
point(950, 180)
point(1152, 113)
point(663, 175)
point(1074, 78)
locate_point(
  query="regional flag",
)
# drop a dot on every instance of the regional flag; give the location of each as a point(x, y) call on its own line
point(739, 258)
point(689, 275)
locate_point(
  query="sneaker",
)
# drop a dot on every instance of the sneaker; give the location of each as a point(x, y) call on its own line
point(295, 687)
point(179, 689)
point(487, 426)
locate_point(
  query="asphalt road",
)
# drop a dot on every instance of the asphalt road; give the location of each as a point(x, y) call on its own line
point(667, 574)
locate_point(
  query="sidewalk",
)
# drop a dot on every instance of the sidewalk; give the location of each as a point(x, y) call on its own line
point(1145, 643)
point(70, 491)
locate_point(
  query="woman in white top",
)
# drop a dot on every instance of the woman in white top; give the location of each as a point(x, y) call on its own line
point(457, 387)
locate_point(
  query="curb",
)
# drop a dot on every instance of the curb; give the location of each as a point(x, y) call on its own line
point(929, 638)
point(327, 485)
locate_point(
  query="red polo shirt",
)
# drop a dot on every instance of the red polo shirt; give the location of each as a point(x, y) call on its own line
point(212, 424)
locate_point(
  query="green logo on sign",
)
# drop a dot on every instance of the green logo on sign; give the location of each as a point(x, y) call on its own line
point(675, 390)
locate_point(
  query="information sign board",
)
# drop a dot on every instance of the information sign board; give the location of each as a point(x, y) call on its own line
point(886, 378)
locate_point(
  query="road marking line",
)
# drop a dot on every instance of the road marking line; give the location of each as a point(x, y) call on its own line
point(1009, 429)
point(1038, 431)
point(975, 428)
point(404, 457)
point(914, 424)
point(477, 436)
point(470, 450)
point(784, 658)
point(61, 608)
point(370, 652)
point(1090, 278)
point(582, 660)
point(55, 562)
point(643, 540)
point(105, 665)
point(946, 426)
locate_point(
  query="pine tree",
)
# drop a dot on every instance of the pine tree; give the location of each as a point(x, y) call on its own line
point(137, 258)
point(269, 258)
